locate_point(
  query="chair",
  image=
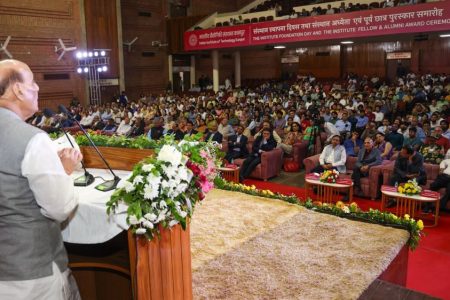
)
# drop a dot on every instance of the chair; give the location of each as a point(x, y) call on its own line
point(431, 170)
point(269, 18)
point(246, 21)
point(262, 19)
point(369, 184)
point(299, 151)
point(226, 23)
point(254, 20)
point(218, 24)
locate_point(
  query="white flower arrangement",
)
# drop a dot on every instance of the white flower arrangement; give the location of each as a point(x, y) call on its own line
point(163, 189)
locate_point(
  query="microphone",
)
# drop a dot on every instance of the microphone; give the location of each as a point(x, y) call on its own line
point(87, 178)
point(108, 185)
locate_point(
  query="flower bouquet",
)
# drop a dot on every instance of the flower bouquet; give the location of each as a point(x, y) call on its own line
point(410, 188)
point(329, 176)
point(163, 189)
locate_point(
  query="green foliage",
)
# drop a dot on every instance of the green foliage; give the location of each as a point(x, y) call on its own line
point(140, 142)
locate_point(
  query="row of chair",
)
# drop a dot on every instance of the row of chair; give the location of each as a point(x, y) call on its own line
point(247, 21)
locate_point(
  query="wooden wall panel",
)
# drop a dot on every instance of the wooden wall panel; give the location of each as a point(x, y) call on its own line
point(101, 31)
point(323, 62)
point(207, 7)
point(432, 55)
point(260, 64)
point(148, 75)
point(35, 27)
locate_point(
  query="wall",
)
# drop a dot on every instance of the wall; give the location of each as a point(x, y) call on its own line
point(323, 62)
point(260, 64)
point(144, 74)
point(207, 7)
point(35, 27)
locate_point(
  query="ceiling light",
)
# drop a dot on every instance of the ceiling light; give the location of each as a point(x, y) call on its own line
point(79, 55)
point(86, 70)
point(280, 47)
point(104, 68)
point(102, 53)
point(79, 70)
point(346, 42)
point(444, 35)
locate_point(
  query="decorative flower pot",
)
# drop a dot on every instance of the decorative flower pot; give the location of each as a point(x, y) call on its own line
point(118, 158)
point(161, 268)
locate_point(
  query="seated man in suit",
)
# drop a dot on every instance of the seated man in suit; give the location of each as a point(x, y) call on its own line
point(237, 145)
point(443, 181)
point(408, 165)
point(213, 134)
point(368, 157)
point(157, 130)
point(265, 142)
point(190, 129)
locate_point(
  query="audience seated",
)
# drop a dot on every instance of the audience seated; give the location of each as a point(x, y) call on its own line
point(353, 144)
point(333, 156)
point(237, 145)
point(368, 157)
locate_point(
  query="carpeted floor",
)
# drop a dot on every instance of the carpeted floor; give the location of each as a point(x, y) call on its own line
point(247, 247)
point(429, 264)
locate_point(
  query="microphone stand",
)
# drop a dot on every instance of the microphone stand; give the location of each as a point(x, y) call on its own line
point(87, 178)
point(108, 185)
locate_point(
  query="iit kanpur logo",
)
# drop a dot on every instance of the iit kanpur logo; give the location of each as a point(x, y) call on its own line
point(193, 39)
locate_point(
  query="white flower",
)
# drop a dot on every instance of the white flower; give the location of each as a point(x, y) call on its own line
point(346, 209)
point(171, 171)
point(138, 179)
point(147, 167)
point(183, 214)
point(150, 192)
point(133, 220)
point(170, 154)
point(150, 217)
point(161, 216)
point(154, 204)
point(141, 231)
point(173, 223)
point(129, 187)
point(148, 224)
point(163, 204)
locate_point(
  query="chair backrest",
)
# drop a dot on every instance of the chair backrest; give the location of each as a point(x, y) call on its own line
point(269, 18)
point(262, 19)
point(254, 20)
point(218, 24)
point(246, 21)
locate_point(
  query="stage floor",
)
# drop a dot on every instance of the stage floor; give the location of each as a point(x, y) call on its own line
point(247, 247)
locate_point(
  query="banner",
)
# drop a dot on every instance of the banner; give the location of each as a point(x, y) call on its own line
point(427, 17)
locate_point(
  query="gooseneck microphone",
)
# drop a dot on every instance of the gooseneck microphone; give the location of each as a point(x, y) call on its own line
point(87, 178)
point(108, 185)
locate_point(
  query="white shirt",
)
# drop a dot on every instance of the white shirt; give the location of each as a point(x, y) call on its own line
point(54, 192)
point(123, 128)
point(445, 165)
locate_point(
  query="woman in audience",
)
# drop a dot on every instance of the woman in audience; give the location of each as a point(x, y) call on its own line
point(385, 148)
point(292, 137)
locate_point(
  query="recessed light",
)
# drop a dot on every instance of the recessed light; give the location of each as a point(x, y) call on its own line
point(444, 35)
point(280, 47)
point(346, 42)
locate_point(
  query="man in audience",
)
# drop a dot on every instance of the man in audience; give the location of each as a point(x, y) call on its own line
point(333, 156)
point(124, 127)
point(412, 140)
point(353, 144)
point(432, 152)
point(368, 157)
point(408, 165)
point(157, 131)
point(213, 134)
point(237, 145)
point(343, 125)
point(440, 139)
point(443, 181)
point(394, 137)
point(190, 129)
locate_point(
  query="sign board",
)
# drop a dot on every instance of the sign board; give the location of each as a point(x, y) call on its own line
point(417, 18)
point(291, 59)
point(398, 55)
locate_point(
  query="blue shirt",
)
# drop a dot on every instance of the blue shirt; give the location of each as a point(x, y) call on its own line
point(342, 126)
point(348, 145)
point(361, 121)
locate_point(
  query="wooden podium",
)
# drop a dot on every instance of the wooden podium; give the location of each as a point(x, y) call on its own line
point(128, 266)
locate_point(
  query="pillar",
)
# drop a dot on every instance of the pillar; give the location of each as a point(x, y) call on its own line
point(192, 71)
point(120, 39)
point(237, 69)
point(170, 67)
point(215, 59)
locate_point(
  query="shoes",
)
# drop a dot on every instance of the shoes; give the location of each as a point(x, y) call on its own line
point(391, 203)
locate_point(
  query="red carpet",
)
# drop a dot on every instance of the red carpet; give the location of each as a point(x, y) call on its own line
point(429, 264)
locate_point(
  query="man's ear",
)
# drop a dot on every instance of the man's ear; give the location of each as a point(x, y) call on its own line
point(17, 91)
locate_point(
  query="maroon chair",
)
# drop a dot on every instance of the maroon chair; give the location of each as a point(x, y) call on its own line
point(369, 184)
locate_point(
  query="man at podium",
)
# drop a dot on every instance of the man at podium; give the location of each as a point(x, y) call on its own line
point(36, 194)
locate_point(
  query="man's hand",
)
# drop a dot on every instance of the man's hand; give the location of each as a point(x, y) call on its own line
point(364, 169)
point(70, 158)
point(327, 166)
point(411, 176)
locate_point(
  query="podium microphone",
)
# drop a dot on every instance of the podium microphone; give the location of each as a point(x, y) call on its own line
point(108, 185)
point(87, 178)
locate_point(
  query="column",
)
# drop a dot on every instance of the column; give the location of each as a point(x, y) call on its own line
point(170, 71)
point(192, 71)
point(215, 59)
point(120, 40)
point(237, 69)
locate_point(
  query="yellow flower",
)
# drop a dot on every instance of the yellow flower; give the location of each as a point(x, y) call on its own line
point(271, 193)
point(340, 204)
point(253, 187)
point(353, 205)
point(406, 217)
point(420, 224)
point(264, 192)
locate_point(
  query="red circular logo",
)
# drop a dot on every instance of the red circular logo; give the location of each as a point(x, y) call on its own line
point(193, 39)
